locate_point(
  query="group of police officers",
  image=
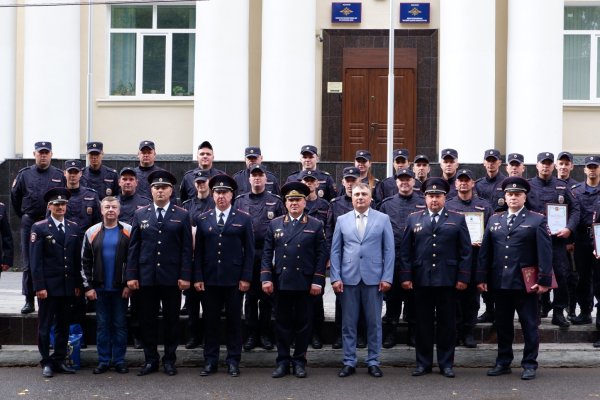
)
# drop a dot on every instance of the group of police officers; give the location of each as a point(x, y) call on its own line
point(236, 237)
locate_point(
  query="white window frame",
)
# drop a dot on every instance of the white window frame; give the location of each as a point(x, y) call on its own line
point(140, 35)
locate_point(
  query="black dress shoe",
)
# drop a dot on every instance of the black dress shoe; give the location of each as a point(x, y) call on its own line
point(209, 369)
point(389, 340)
point(299, 371)
point(183, 311)
point(100, 369)
point(448, 372)
point(582, 319)
point(137, 344)
point(420, 371)
point(374, 371)
point(560, 320)
point(266, 342)
point(346, 370)
point(122, 368)
point(233, 370)
point(47, 371)
point(28, 308)
point(499, 370)
point(485, 317)
point(170, 369)
point(64, 369)
point(337, 343)
point(192, 343)
point(469, 341)
point(147, 369)
point(250, 343)
point(528, 374)
point(596, 344)
point(316, 342)
point(361, 342)
point(281, 371)
point(545, 310)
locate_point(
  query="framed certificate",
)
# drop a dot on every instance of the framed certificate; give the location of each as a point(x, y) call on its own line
point(596, 229)
point(475, 225)
point(557, 217)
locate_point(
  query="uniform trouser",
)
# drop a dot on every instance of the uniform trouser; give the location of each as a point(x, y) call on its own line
point(53, 309)
point(193, 300)
point(257, 310)
point(489, 301)
point(572, 281)
point(134, 320)
point(318, 314)
point(589, 276)
point(293, 323)
point(214, 298)
point(466, 310)
point(526, 306)
point(27, 281)
point(435, 305)
point(150, 299)
point(560, 266)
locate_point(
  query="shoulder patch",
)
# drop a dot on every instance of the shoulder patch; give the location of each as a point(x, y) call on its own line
point(180, 208)
point(243, 212)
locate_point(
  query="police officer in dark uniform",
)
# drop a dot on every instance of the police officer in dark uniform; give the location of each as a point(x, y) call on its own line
point(550, 190)
point(129, 197)
point(564, 168)
point(254, 156)
point(159, 265)
point(146, 156)
point(55, 269)
point(27, 198)
point(318, 208)
point(490, 186)
point(6, 247)
point(97, 176)
point(388, 186)
point(205, 158)
point(293, 267)
point(588, 197)
point(197, 206)
point(223, 262)
point(398, 207)
point(421, 170)
point(515, 239)
point(84, 204)
point(467, 201)
point(449, 164)
point(435, 262)
point(309, 159)
point(263, 207)
point(340, 206)
point(362, 161)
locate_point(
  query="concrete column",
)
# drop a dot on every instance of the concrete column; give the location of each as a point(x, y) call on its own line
point(221, 92)
point(534, 77)
point(467, 77)
point(287, 107)
point(8, 42)
point(52, 65)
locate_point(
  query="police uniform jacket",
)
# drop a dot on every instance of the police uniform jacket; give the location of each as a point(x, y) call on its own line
point(553, 191)
point(55, 263)
point(587, 197)
point(503, 253)
point(438, 256)
point(262, 208)
point(338, 206)
point(83, 207)
point(7, 248)
point(129, 205)
point(224, 257)
point(92, 271)
point(490, 189)
point(242, 178)
point(29, 187)
point(142, 174)
point(196, 207)
point(318, 209)
point(398, 208)
point(374, 191)
point(452, 182)
point(326, 188)
point(160, 254)
point(294, 257)
point(187, 189)
point(386, 188)
point(105, 180)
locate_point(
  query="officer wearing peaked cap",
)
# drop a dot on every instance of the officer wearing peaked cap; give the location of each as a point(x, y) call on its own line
point(205, 157)
point(421, 168)
point(27, 198)
point(129, 197)
point(309, 159)
point(449, 164)
point(159, 265)
point(362, 161)
point(223, 261)
point(489, 186)
point(293, 268)
point(97, 176)
point(515, 239)
point(84, 204)
point(253, 156)
point(388, 187)
point(435, 262)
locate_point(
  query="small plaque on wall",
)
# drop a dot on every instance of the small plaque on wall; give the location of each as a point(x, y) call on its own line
point(414, 13)
point(334, 87)
point(346, 12)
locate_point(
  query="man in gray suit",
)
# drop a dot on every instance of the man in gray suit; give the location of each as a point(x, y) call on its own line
point(362, 269)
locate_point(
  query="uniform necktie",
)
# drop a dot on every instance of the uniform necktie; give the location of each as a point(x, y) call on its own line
point(61, 231)
point(160, 215)
point(434, 219)
point(294, 222)
point(361, 226)
point(511, 219)
point(221, 221)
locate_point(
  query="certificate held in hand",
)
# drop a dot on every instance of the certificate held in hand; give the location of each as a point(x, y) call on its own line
point(530, 277)
point(557, 217)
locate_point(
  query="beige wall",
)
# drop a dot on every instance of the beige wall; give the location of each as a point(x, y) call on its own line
point(581, 127)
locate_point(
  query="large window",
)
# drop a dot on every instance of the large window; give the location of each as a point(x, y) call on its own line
point(152, 50)
point(581, 72)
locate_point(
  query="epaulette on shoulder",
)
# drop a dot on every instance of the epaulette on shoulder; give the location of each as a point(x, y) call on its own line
point(479, 179)
point(24, 168)
point(71, 222)
point(187, 201)
point(535, 212)
point(325, 172)
point(91, 189)
point(452, 212)
point(241, 171)
point(276, 195)
point(498, 212)
point(42, 222)
point(242, 211)
point(415, 212)
point(333, 200)
point(189, 172)
point(179, 208)
point(386, 199)
point(279, 217)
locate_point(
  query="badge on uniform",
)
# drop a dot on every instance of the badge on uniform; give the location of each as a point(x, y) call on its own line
point(417, 228)
point(33, 236)
point(495, 227)
point(561, 199)
point(50, 239)
point(270, 214)
point(210, 228)
point(108, 191)
point(278, 233)
point(144, 224)
point(320, 192)
point(89, 210)
point(501, 202)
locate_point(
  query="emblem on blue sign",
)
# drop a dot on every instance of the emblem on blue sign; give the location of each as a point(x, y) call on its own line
point(414, 13)
point(346, 12)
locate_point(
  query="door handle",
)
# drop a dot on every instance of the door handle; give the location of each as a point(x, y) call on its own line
point(373, 126)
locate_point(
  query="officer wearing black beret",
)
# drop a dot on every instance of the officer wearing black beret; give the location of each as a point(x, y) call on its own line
point(159, 265)
point(97, 176)
point(435, 262)
point(293, 267)
point(515, 239)
point(223, 261)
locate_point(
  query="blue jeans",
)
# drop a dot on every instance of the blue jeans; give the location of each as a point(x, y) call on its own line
point(111, 331)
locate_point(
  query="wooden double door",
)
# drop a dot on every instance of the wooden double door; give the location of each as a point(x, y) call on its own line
point(365, 99)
